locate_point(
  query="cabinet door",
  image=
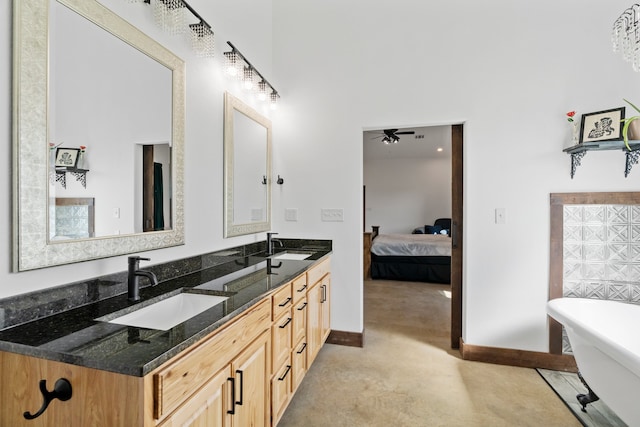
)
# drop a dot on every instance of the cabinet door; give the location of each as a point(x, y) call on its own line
point(299, 364)
point(314, 331)
point(209, 407)
point(325, 323)
point(251, 371)
point(281, 389)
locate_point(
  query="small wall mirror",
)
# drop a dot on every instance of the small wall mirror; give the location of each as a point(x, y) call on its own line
point(99, 117)
point(247, 169)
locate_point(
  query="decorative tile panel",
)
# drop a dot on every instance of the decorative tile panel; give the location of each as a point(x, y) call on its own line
point(601, 254)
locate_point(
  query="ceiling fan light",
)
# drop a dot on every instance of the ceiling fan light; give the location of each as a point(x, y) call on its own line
point(386, 140)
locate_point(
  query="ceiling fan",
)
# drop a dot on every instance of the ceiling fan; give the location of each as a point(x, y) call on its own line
point(390, 136)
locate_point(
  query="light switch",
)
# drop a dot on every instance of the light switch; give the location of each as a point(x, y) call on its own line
point(291, 214)
point(116, 212)
point(501, 216)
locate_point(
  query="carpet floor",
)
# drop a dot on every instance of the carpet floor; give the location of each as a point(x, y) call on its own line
point(407, 375)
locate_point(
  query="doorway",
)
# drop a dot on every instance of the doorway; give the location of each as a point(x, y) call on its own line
point(455, 138)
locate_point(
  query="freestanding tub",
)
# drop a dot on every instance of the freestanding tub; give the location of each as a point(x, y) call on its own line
point(605, 339)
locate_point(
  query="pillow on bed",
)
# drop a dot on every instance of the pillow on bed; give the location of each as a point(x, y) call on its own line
point(432, 229)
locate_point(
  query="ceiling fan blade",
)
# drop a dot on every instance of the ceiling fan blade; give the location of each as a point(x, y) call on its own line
point(407, 132)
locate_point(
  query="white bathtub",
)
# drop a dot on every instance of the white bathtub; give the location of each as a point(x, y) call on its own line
point(605, 339)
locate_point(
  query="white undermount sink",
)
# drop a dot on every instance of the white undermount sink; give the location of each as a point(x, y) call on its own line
point(292, 255)
point(169, 312)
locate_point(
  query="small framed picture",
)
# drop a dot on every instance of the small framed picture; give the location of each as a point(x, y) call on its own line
point(602, 125)
point(67, 157)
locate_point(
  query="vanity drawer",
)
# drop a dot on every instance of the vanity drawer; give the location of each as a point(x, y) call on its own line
point(281, 333)
point(299, 288)
point(178, 379)
point(317, 272)
point(281, 300)
point(299, 320)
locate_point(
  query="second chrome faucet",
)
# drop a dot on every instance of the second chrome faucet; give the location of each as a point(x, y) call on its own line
point(133, 278)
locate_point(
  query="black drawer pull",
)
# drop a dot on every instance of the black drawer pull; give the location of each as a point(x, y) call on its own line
point(285, 373)
point(285, 302)
point(284, 325)
point(304, 345)
point(239, 372)
point(302, 288)
point(232, 411)
point(303, 307)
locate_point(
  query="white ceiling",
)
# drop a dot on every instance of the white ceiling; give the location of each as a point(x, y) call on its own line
point(409, 146)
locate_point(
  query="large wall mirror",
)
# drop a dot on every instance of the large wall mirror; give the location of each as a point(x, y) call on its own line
point(247, 169)
point(92, 88)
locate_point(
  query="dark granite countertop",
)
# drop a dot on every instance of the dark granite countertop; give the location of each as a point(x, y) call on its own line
point(75, 336)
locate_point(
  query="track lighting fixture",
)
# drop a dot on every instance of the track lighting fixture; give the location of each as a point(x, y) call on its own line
point(171, 15)
point(237, 66)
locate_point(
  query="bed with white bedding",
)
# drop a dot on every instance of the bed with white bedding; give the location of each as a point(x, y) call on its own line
point(411, 257)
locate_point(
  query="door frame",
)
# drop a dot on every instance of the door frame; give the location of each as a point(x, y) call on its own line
point(457, 192)
point(457, 221)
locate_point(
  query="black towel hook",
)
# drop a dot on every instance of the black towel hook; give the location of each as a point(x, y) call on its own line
point(61, 390)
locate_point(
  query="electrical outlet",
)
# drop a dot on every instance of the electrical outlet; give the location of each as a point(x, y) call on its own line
point(335, 215)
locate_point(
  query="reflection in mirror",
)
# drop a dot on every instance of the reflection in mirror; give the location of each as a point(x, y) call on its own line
point(247, 153)
point(104, 91)
point(94, 117)
point(72, 218)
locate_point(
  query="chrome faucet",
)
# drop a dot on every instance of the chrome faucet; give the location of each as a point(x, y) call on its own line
point(133, 279)
point(270, 241)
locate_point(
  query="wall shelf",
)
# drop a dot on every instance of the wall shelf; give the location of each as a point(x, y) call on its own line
point(79, 174)
point(578, 151)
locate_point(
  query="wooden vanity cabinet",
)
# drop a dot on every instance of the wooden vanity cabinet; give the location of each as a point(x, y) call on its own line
point(243, 374)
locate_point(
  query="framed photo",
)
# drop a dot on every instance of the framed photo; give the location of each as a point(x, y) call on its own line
point(602, 125)
point(67, 157)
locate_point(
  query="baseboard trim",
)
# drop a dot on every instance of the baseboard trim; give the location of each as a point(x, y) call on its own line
point(521, 358)
point(352, 339)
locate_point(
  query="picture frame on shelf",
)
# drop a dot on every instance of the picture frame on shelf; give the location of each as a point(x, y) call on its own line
point(602, 125)
point(67, 158)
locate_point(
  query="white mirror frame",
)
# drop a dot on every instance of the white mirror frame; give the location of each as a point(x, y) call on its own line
point(231, 104)
point(31, 248)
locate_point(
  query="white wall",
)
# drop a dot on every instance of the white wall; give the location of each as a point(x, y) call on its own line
point(247, 24)
point(508, 70)
point(403, 194)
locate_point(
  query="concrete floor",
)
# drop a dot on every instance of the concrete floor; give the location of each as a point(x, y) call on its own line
point(407, 374)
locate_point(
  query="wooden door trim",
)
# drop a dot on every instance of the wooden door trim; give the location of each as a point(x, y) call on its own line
point(457, 172)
